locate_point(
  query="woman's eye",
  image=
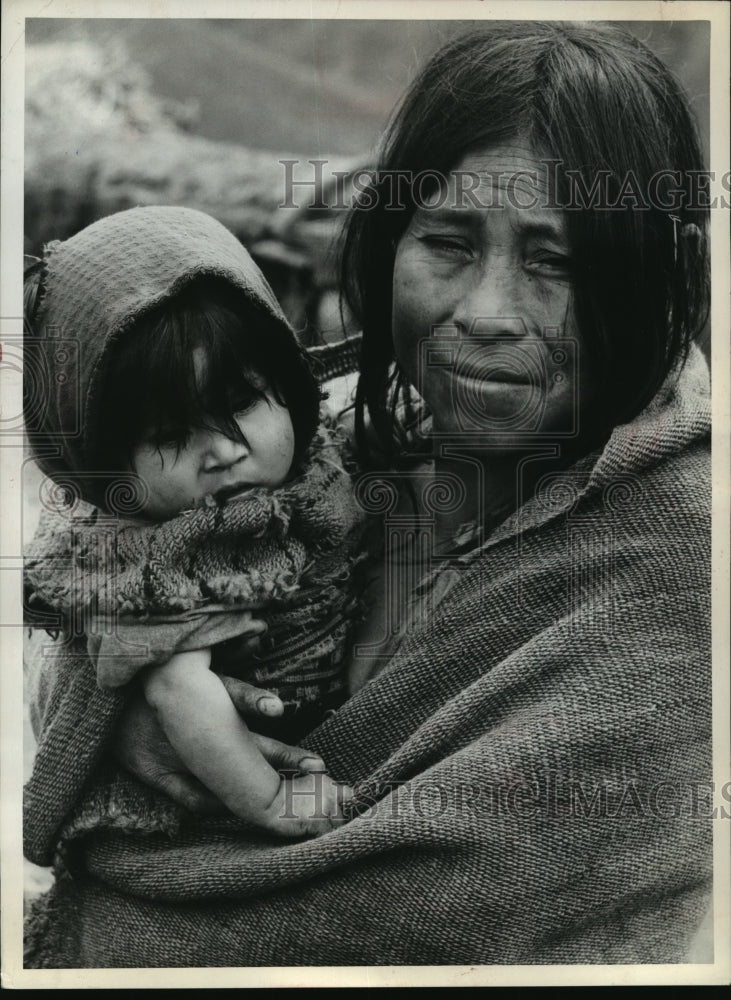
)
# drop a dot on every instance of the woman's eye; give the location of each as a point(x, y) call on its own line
point(551, 264)
point(448, 245)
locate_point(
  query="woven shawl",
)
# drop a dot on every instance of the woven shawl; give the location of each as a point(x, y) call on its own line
point(532, 766)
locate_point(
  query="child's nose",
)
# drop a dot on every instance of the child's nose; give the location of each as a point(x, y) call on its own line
point(220, 451)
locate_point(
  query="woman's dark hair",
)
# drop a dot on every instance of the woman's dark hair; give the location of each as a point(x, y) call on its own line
point(150, 389)
point(595, 99)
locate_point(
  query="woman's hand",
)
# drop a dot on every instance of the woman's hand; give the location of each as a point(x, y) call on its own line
point(144, 750)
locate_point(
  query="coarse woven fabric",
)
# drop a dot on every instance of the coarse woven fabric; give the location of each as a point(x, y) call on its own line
point(531, 765)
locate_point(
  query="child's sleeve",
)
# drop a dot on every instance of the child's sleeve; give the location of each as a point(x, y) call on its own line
point(119, 650)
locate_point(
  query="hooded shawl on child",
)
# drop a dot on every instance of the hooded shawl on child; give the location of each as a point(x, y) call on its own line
point(533, 764)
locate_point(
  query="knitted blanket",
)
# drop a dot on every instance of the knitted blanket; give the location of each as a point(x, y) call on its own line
point(532, 766)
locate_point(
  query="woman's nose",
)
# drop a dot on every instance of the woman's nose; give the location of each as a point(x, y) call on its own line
point(220, 451)
point(489, 304)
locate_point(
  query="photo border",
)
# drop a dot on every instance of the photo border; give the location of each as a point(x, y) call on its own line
point(11, 637)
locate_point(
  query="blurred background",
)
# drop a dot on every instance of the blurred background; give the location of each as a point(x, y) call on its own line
point(131, 112)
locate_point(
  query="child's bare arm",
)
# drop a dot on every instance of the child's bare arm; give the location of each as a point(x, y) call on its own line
point(207, 732)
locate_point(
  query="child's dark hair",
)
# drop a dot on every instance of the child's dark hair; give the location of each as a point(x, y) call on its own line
point(592, 99)
point(150, 389)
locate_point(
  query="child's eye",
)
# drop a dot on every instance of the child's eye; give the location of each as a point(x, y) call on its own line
point(243, 405)
point(170, 437)
point(247, 399)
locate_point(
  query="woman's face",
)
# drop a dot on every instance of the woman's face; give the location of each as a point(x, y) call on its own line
point(483, 324)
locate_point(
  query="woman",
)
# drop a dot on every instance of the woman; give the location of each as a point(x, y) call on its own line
point(529, 726)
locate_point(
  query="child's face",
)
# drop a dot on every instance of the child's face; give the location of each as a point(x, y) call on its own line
point(178, 478)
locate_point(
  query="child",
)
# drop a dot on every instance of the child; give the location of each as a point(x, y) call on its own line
point(174, 374)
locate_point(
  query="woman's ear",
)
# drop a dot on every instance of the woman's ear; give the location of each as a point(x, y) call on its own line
point(686, 236)
point(690, 238)
point(690, 234)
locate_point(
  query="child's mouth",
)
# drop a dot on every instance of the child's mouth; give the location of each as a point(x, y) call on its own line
point(229, 492)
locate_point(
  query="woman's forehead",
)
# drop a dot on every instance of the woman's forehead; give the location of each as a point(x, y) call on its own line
point(512, 176)
point(503, 169)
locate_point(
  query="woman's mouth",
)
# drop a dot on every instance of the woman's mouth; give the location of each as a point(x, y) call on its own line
point(495, 373)
point(517, 364)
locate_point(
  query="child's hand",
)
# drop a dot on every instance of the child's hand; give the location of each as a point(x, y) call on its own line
point(145, 751)
point(306, 806)
point(201, 722)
